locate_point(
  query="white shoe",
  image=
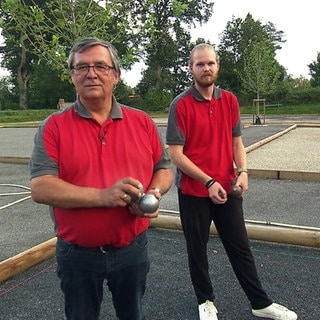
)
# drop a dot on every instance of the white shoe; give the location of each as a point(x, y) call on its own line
point(275, 311)
point(207, 311)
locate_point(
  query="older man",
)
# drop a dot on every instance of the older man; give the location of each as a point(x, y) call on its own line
point(91, 163)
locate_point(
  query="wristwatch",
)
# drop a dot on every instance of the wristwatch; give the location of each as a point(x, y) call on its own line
point(239, 170)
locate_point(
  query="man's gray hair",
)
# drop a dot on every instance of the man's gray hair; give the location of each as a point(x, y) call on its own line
point(87, 43)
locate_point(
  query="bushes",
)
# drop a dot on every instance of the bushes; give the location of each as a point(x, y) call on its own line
point(155, 100)
point(303, 96)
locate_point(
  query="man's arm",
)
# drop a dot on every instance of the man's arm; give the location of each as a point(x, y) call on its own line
point(162, 180)
point(186, 165)
point(216, 192)
point(53, 191)
point(240, 160)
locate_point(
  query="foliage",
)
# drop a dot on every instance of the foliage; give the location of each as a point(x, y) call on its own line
point(303, 96)
point(6, 94)
point(45, 88)
point(314, 68)
point(38, 35)
point(50, 28)
point(237, 43)
point(168, 42)
point(42, 32)
point(122, 92)
point(260, 70)
point(155, 101)
point(17, 59)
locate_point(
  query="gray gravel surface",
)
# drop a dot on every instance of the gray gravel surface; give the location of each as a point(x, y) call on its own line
point(289, 274)
point(297, 150)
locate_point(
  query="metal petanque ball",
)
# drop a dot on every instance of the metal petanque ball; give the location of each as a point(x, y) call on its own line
point(148, 203)
point(235, 193)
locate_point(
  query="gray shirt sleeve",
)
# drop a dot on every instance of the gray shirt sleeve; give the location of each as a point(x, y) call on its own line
point(40, 163)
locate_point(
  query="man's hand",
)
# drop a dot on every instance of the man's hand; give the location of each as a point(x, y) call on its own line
point(122, 193)
point(217, 194)
point(135, 209)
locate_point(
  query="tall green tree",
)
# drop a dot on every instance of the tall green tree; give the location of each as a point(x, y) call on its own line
point(239, 37)
point(16, 57)
point(44, 31)
point(169, 42)
point(52, 27)
point(314, 68)
point(45, 88)
point(260, 71)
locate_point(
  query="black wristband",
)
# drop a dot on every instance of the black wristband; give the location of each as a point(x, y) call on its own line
point(210, 183)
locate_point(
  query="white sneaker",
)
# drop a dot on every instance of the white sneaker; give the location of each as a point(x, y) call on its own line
point(207, 311)
point(275, 311)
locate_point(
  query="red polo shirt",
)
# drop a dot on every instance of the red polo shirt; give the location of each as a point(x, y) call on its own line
point(205, 128)
point(75, 147)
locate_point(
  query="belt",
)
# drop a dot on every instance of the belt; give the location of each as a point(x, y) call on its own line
point(107, 248)
point(104, 249)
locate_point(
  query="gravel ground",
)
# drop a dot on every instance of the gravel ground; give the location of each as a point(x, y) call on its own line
point(297, 150)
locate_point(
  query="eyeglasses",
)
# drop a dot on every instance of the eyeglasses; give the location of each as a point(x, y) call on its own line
point(98, 69)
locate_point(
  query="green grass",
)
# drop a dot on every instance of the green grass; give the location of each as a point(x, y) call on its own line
point(310, 109)
point(10, 117)
point(33, 117)
point(307, 109)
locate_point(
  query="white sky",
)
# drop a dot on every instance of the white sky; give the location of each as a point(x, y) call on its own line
point(299, 20)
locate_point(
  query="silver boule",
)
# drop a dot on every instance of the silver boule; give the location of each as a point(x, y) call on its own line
point(235, 193)
point(148, 203)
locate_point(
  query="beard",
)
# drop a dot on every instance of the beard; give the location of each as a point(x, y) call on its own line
point(206, 81)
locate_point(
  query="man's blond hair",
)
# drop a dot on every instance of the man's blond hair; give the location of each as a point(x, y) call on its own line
point(202, 46)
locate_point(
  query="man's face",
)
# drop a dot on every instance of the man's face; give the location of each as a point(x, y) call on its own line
point(93, 85)
point(204, 67)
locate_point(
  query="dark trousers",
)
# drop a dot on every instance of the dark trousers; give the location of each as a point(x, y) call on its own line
point(196, 216)
point(82, 272)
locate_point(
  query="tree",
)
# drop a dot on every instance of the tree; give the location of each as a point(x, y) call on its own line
point(314, 68)
point(168, 43)
point(260, 69)
point(6, 96)
point(52, 27)
point(45, 88)
point(16, 57)
point(148, 29)
point(44, 31)
point(236, 41)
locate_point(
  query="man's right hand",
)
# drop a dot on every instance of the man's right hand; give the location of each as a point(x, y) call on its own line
point(217, 193)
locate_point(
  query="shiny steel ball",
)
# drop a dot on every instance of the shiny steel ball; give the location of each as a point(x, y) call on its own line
point(148, 203)
point(236, 193)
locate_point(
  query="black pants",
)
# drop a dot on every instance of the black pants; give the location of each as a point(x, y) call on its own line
point(196, 216)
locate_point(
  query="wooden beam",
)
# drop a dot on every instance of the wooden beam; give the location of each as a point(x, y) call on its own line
point(26, 259)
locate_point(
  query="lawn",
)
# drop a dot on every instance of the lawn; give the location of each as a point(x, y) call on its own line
point(33, 117)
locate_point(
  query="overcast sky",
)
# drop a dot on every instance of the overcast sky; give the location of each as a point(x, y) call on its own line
point(299, 20)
